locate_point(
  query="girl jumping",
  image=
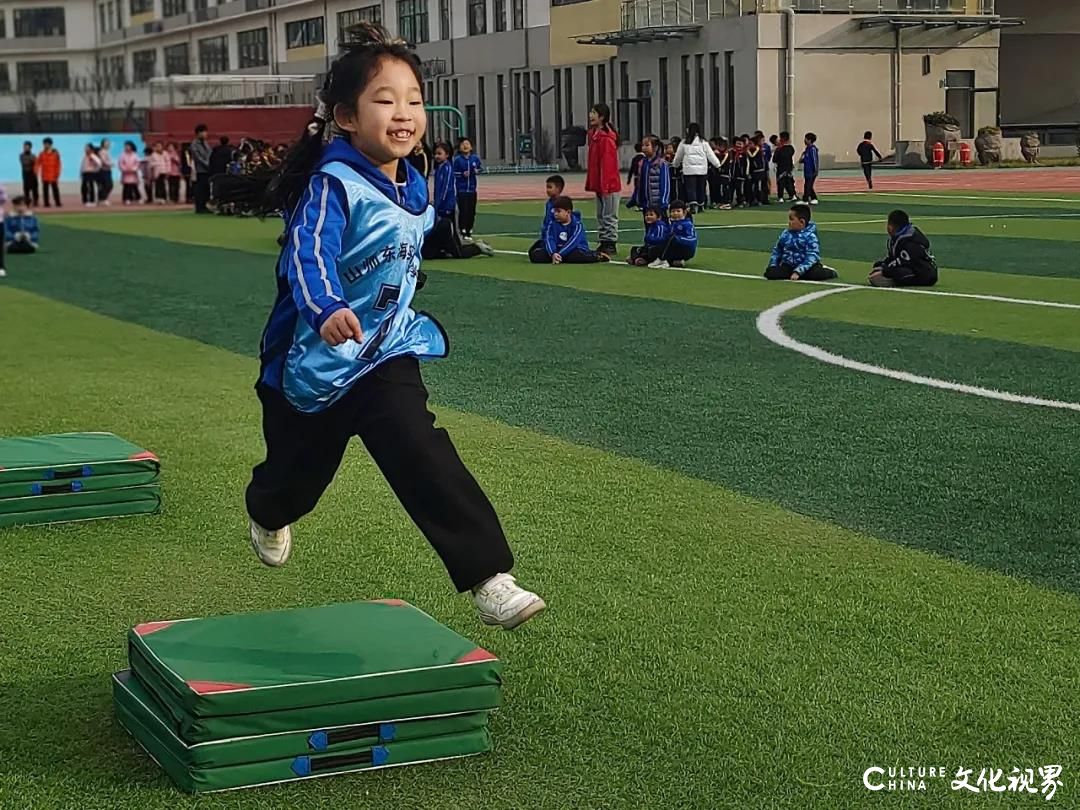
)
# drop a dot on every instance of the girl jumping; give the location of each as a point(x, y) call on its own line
point(340, 352)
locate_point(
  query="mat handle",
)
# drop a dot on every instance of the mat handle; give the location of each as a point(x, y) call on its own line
point(323, 739)
point(84, 471)
point(53, 489)
point(306, 766)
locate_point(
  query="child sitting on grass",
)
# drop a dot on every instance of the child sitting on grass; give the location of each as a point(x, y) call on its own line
point(564, 240)
point(910, 262)
point(21, 228)
point(554, 187)
point(668, 244)
point(797, 255)
point(444, 241)
point(657, 234)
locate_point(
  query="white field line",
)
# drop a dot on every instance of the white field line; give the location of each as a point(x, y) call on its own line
point(769, 325)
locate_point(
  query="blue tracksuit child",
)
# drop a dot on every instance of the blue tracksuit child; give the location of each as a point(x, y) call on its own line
point(466, 167)
point(657, 235)
point(811, 166)
point(683, 240)
point(564, 237)
point(445, 200)
point(21, 232)
point(797, 254)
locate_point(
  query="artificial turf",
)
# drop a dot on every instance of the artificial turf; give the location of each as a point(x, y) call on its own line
point(765, 575)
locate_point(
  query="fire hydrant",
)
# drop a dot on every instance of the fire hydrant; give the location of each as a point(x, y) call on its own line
point(965, 153)
point(939, 155)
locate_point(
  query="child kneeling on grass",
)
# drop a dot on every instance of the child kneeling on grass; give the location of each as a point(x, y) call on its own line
point(21, 230)
point(910, 262)
point(797, 255)
point(564, 240)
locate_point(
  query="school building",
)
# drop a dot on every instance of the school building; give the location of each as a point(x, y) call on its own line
point(534, 67)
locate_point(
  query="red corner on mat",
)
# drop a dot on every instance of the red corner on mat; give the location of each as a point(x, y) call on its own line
point(146, 628)
point(145, 455)
point(394, 602)
point(479, 654)
point(207, 687)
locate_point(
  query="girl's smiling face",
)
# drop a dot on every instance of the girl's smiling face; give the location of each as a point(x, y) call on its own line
point(388, 118)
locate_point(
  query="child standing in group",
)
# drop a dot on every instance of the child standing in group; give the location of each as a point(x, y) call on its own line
point(553, 187)
point(654, 178)
point(129, 174)
point(759, 171)
point(635, 167)
point(867, 152)
point(90, 171)
point(160, 166)
point(564, 240)
point(784, 159)
point(727, 175)
point(741, 175)
point(797, 254)
point(444, 242)
point(340, 353)
point(910, 262)
point(48, 166)
point(28, 161)
point(21, 231)
point(146, 170)
point(811, 163)
point(172, 152)
point(466, 167)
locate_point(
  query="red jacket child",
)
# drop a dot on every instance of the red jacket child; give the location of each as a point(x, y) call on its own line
point(603, 176)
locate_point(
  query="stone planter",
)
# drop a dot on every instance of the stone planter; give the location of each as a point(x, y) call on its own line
point(988, 147)
point(947, 134)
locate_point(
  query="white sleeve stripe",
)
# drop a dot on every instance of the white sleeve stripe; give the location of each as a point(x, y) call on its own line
point(296, 260)
point(318, 239)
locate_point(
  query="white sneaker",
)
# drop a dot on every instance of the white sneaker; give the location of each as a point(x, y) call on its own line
point(659, 264)
point(3, 273)
point(273, 548)
point(485, 248)
point(813, 202)
point(501, 601)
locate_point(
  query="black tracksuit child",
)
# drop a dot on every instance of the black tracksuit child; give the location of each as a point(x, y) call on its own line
point(867, 152)
point(910, 262)
point(784, 160)
point(759, 174)
point(742, 174)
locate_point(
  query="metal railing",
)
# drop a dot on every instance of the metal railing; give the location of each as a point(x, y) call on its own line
point(636, 14)
point(736, 8)
point(229, 91)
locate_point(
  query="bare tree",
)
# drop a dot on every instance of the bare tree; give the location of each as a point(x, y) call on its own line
point(97, 87)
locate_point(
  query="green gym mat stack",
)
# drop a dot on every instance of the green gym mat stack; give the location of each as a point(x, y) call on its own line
point(75, 476)
point(259, 698)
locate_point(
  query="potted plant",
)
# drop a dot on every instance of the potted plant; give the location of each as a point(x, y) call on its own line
point(941, 128)
point(988, 145)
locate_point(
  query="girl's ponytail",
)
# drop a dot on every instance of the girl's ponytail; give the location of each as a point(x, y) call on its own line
point(344, 83)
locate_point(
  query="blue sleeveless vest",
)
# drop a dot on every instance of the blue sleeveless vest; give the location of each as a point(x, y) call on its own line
point(377, 268)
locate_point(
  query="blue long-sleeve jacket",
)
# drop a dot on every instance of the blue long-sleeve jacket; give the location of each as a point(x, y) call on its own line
point(811, 161)
point(466, 167)
point(445, 201)
point(800, 250)
point(549, 215)
point(15, 224)
point(564, 239)
point(654, 183)
point(658, 233)
point(683, 232)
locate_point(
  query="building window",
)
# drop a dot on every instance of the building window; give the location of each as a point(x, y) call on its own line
point(305, 33)
point(699, 87)
point(477, 17)
point(3, 25)
point(624, 92)
point(686, 111)
point(115, 73)
point(214, 55)
point(140, 6)
point(444, 19)
point(38, 76)
point(519, 14)
point(5, 78)
point(665, 103)
point(347, 19)
point(590, 97)
point(500, 15)
point(470, 123)
point(173, 8)
point(601, 88)
point(40, 22)
point(177, 59)
point(729, 97)
point(481, 131)
point(253, 47)
point(926, 64)
point(103, 22)
point(714, 106)
point(557, 84)
point(500, 103)
point(143, 64)
point(412, 18)
point(568, 94)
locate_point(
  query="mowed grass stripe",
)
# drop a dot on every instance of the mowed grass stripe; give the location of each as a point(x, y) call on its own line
point(694, 389)
point(693, 637)
point(1018, 324)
